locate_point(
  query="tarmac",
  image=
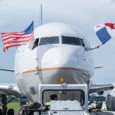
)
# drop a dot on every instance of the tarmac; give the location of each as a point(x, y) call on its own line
point(15, 112)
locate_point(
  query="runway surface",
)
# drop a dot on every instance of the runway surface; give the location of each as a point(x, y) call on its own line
point(15, 112)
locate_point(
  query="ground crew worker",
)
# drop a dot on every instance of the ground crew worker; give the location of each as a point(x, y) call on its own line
point(110, 103)
point(52, 97)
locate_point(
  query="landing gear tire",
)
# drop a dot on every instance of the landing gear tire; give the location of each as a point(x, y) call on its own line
point(11, 112)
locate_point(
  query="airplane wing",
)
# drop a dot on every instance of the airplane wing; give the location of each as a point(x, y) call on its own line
point(11, 89)
point(100, 88)
point(8, 70)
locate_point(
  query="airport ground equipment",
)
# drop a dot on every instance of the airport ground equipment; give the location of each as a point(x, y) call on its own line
point(4, 102)
point(72, 100)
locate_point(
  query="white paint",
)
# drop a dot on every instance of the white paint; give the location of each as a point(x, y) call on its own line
point(53, 56)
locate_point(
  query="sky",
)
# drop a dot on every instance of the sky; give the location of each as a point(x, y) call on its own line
point(16, 15)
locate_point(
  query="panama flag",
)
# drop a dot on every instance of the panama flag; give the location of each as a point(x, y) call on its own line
point(105, 31)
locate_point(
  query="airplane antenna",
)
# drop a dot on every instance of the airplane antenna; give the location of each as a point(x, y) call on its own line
point(98, 67)
point(40, 11)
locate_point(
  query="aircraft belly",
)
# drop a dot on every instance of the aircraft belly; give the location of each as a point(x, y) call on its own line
point(29, 82)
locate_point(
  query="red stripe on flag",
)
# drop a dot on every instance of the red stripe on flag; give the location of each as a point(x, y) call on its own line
point(13, 39)
point(111, 25)
point(15, 36)
point(10, 46)
point(16, 40)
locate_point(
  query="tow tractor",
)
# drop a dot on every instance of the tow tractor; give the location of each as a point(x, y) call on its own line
point(60, 99)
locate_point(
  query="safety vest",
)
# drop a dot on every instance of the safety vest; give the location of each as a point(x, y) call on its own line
point(48, 103)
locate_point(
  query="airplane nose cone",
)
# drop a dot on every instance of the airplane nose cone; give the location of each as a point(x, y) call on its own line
point(59, 56)
point(73, 56)
point(49, 56)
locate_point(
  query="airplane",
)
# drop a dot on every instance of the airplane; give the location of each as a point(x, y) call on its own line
point(58, 52)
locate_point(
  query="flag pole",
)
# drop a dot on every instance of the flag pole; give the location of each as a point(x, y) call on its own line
point(41, 12)
point(93, 48)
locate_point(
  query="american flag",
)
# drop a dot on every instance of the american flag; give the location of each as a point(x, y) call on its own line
point(13, 39)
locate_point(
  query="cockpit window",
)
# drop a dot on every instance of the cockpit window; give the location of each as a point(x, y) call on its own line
point(72, 40)
point(49, 40)
point(35, 43)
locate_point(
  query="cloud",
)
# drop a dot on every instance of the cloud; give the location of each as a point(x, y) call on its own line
point(112, 1)
point(2, 22)
point(84, 14)
point(80, 11)
point(83, 11)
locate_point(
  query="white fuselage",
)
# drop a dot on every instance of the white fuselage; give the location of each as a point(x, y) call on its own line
point(52, 56)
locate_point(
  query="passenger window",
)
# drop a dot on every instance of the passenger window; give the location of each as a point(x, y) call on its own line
point(72, 40)
point(49, 40)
